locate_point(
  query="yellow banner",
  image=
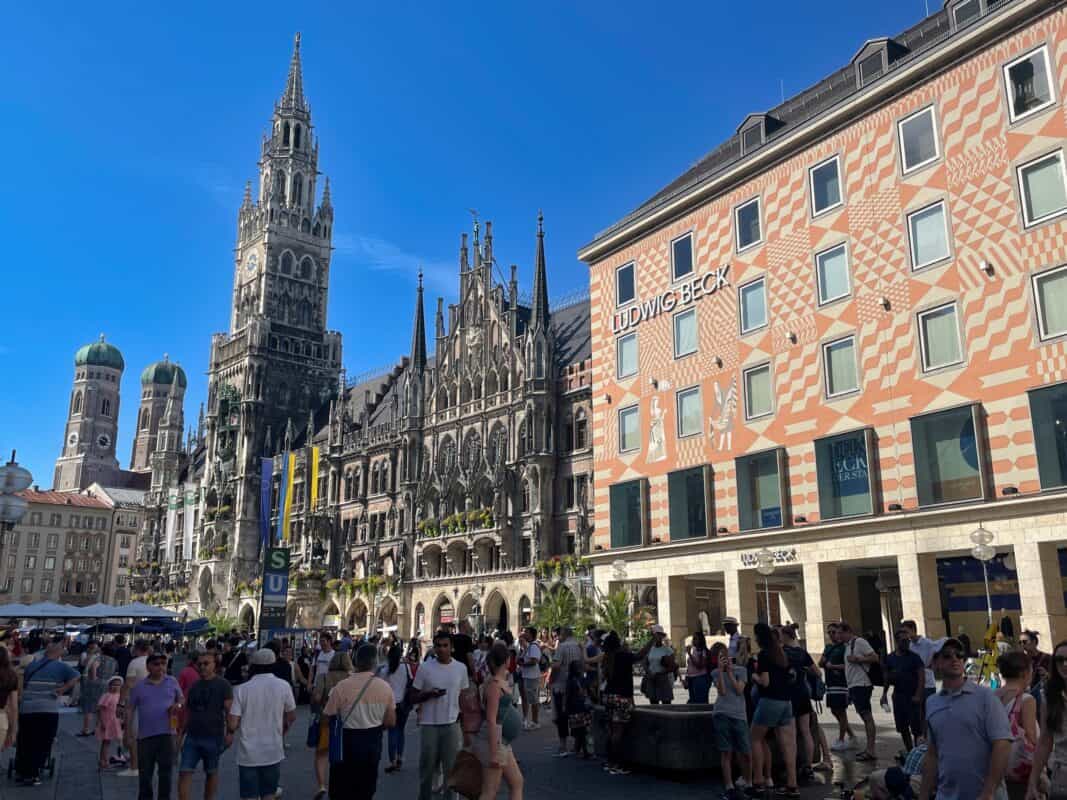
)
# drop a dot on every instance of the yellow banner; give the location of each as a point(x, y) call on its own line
point(314, 473)
point(287, 514)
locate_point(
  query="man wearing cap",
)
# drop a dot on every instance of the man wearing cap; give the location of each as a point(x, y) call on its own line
point(261, 713)
point(731, 626)
point(661, 668)
point(968, 733)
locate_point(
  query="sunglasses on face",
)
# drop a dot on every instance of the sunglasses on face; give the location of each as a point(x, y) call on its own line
point(951, 653)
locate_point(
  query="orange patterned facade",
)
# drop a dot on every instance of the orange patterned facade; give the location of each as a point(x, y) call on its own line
point(989, 272)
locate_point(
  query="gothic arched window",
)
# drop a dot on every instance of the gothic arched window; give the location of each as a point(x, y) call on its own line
point(525, 497)
point(297, 195)
point(307, 266)
point(348, 486)
point(105, 407)
point(539, 359)
point(144, 419)
point(285, 134)
point(76, 406)
point(296, 137)
point(581, 430)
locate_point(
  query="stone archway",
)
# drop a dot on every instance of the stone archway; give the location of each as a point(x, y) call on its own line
point(206, 592)
point(496, 613)
point(246, 619)
point(467, 605)
point(444, 613)
point(356, 618)
point(418, 623)
point(331, 610)
point(388, 616)
point(525, 611)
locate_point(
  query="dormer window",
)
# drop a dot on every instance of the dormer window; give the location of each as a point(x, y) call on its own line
point(873, 59)
point(754, 131)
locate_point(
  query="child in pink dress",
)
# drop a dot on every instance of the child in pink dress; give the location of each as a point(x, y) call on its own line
point(108, 727)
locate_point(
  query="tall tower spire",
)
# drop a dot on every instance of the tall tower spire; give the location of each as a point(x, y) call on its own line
point(418, 335)
point(539, 311)
point(293, 97)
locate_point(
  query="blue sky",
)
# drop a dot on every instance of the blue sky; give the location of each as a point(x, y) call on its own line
point(131, 131)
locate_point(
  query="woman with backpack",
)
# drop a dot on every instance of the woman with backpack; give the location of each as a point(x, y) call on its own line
point(397, 673)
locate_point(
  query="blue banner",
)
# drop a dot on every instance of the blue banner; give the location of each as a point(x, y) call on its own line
point(266, 468)
point(281, 499)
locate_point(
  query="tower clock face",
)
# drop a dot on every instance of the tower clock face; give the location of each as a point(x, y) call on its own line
point(72, 439)
point(104, 440)
point(252, 263)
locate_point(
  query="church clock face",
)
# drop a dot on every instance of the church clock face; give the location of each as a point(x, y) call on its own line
point(72, 439)
point(251, 264)
point(104, 440)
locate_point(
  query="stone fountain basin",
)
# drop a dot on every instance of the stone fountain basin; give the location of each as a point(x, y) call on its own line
point(667, 737)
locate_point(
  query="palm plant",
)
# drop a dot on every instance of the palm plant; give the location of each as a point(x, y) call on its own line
point(613, 613)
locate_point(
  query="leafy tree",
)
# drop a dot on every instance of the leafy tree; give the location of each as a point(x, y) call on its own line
point(559, 608)
point(222, 622)
point(613, 613)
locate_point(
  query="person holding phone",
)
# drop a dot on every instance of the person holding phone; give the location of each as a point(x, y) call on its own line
point(437, 686)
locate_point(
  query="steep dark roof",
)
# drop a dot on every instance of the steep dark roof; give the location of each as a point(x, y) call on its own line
point(916, 42)
point(570, 327)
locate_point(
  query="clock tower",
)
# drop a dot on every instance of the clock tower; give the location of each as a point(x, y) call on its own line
point(88, 452)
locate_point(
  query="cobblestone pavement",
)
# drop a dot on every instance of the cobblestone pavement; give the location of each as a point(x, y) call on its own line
point(77, 777)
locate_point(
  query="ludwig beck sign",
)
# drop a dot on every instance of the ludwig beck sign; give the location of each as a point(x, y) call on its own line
point(675, 298)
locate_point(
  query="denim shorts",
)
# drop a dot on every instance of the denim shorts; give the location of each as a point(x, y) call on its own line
point(531, 688)
point(772, 713)
point(256, 782)
point(208, 748)
point(731, 734)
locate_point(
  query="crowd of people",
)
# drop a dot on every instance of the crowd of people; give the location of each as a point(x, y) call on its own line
point(475, 695)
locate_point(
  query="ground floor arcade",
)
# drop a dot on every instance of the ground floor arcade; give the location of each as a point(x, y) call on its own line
point(872, 572)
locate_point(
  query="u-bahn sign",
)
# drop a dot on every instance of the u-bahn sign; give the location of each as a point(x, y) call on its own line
point(275, 589)
point(677, 297)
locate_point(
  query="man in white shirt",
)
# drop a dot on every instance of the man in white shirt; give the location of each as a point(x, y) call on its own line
point(859, 655)
point(437, 686)
point(732, 628)
point(262, 712)
point(925, 649)
point(324, 657)
point(530, 659)
point(136, 671)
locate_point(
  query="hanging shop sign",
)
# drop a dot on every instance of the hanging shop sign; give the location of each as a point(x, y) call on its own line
point(676, 298)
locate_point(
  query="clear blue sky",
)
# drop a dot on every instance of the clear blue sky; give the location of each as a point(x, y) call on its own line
point(131, 131)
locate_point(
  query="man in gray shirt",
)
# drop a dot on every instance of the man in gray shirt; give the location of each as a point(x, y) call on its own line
point(567, 652)
point(968, 733)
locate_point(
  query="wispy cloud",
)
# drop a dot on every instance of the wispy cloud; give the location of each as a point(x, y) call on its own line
point(375, 253)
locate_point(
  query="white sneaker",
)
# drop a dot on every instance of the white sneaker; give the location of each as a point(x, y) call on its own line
point(128, 773)
point(839, 746)
point(741, 784)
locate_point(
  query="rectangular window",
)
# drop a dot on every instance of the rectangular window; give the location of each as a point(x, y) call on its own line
point(629, 429)
point(46, 586)
point(682, 256)
point(687, 502)
point(33, 540)
point(124, 561)
point(50, 562)
point(966, 11)
point(759, 491)
point(928, 235)
point(124, 542)
point(752, 300)
point(12, 562)
point(831, 268)
point(1050, 293)
point(568, 489)
point(626, 516)
point(27, 585)
point(845, 485)
point(75, 521)
point(825, 181)
point(55, 520)
point(747, 220)
point(751, 138)
point(690, 413)
point(52, 541)
point(1048, 410)
point(120, 580)
point(940, 334)
point(685, 333)
point(626, 355)
point(839, 365)
point(1028, 85)
point(947, 456)
point(1042, 185)
point(871, 68)
point(625, 286)
point(918, 139)
point(758, 401)
point(31, 562)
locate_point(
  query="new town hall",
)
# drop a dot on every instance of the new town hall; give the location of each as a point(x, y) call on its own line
point(447, 485)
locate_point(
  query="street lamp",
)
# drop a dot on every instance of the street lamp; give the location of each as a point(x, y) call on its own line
point(13, 479)
point(765, 567)
point(984, 552)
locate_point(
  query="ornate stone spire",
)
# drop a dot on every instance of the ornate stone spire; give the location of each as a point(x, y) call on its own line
point(539, 309)
point(293, 97)
point(418, 334)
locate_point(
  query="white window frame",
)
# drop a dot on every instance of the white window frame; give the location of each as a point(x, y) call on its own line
point(632, 265)
point(811, 186)
point(1049, 75)
point(618, 348)
point(636, 409)
point(824, 301)
point(1035, 280)
point(737, 228)
point(915, 267)
point(922, 336)
point(674, 332)
point(744, 389)
point(678, 411)
point(826, 367)
point(905, 168)
point(1057, 154)
point(692, 258)
point(767, 311)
